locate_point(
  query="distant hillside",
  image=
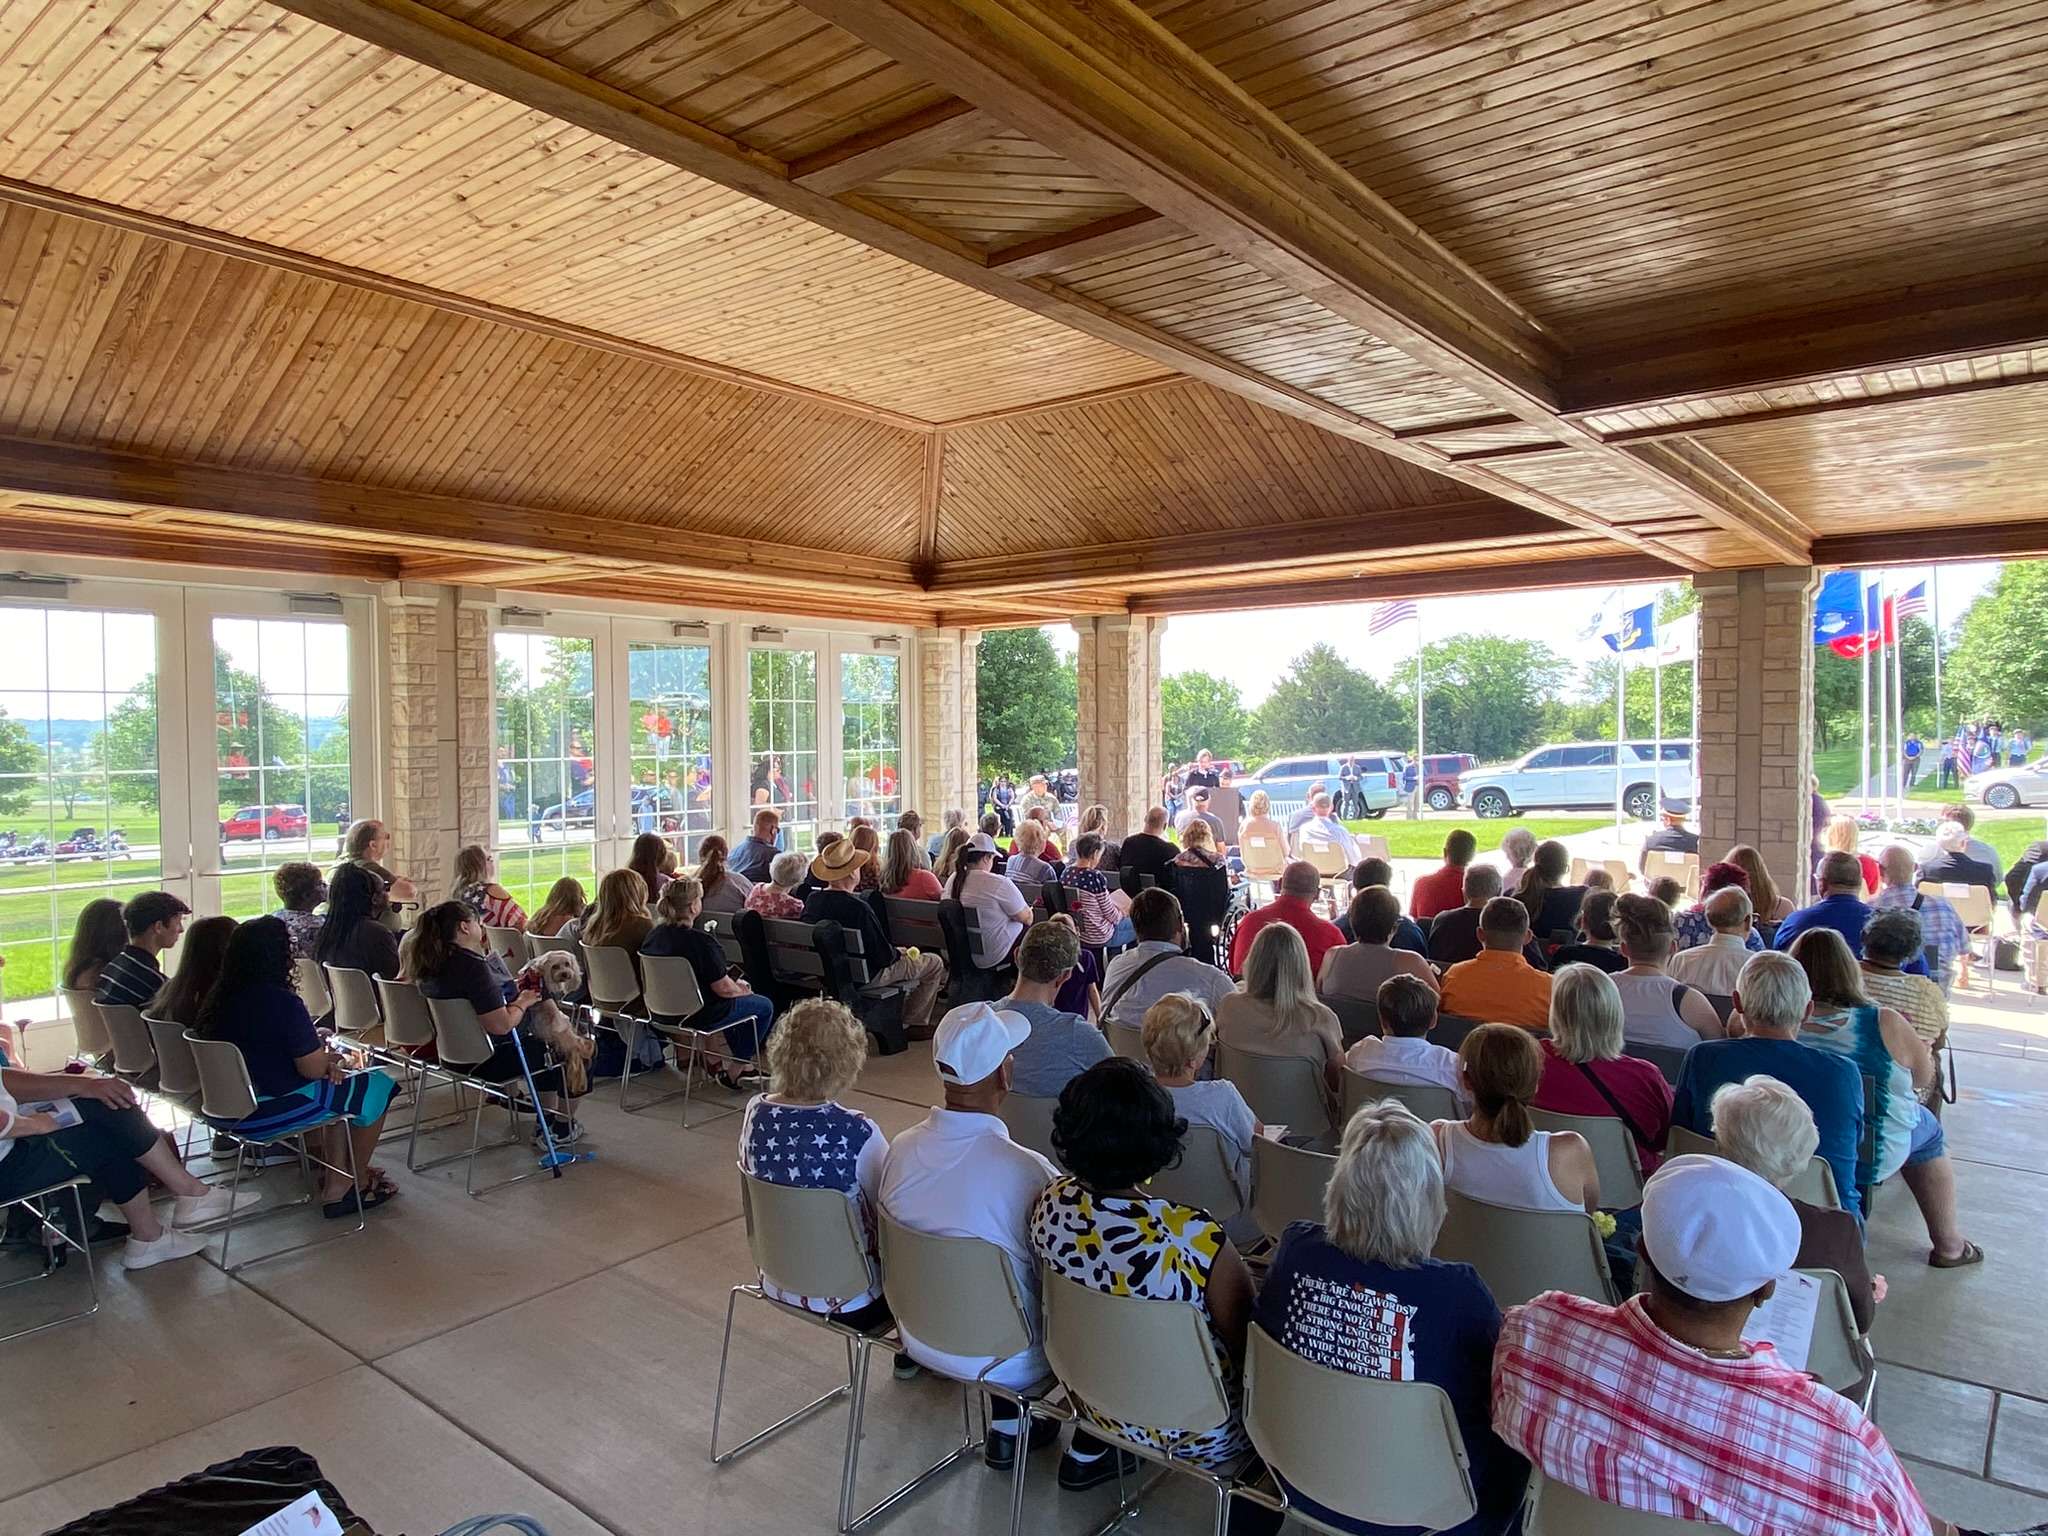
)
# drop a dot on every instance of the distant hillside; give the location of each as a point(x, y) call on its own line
point(76, 735)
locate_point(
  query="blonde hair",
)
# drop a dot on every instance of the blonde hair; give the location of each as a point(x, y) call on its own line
point(1176, 1034)
point(565, 901)
point(1840, 834)
point(1094, 819)
point(949, 852)
point(1762, 889)
point(904, 859)
point(1197, 835)
point(472, 865)
point(1585, 1014)
point(621, 898)
point(816, 1052)
point(1385, 1202)
point(1261, 803)
point(1030, 838)
point(1276, 972)
point(677, 897)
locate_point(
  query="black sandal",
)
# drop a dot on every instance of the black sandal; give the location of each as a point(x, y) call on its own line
point(353, 1203)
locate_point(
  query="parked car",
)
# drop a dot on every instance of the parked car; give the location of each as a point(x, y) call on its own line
point(1580, 776)
point(655, 808)
point(1289, 778)
point(1440, 777)
point(269, 822)
point(2004, 788)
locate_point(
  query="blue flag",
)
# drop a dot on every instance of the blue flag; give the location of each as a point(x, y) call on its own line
point(1837, 608)
point(1636, 631)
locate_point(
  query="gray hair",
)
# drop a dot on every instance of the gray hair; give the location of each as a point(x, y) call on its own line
point(1519, 845)
point(1841, 871)
point(1728, 910)
point(1482, 882)
point(1299, 878)
point(1585, 1014)
point(1320, 804)
point(954, 818)
point(1892, 936)
point(1774, 991)
point(1897, 864)
point(1766, 1127)
point(786, 869)
point(1952, 837)
point(1384, 1203)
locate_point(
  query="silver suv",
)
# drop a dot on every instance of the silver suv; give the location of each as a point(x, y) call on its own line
point(1580, 776)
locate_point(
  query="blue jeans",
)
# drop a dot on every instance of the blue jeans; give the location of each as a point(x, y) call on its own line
point(1929, 1140)
point(747, 1025)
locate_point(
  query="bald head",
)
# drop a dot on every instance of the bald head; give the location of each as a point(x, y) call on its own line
point(1155, 820)
point(1728, 910)
point(1841, 872)
point(1898, 865)
point(1299, 878)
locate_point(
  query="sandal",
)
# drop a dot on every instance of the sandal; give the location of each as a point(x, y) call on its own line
point(353, 1203)
point(1971, 1254)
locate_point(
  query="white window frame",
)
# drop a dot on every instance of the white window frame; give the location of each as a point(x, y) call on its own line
point(627, 632)
point(608, 801)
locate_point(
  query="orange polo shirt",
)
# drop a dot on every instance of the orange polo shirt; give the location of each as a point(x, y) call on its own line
point(1497, 987)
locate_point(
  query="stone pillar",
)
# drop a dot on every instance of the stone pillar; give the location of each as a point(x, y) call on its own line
point(1756, 717)
point(1117, 732)
point(476, 751)
point(421, 772)
point(948, 746)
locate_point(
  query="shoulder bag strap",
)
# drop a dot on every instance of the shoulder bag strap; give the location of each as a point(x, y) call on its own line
point(1627, 1120)
point(1130, 981)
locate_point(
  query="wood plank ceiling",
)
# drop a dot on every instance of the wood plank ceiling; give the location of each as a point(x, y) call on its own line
point(977, 313)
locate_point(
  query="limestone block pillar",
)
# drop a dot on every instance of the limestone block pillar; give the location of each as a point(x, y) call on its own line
point(1118, 743)
point(476, 752)
point(1756, 717)
point(948, 755)
point(417, 696)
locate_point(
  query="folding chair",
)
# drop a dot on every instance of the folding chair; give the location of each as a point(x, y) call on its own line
point(1205, 1177)
point(408, 1026)
point(93, 1039)
point(1668, 1059)
point(1522, 1254)
point(1815, 1185)
point(1029, 1119)
point(1127, 1040)
point(1723, 1004)
point(614, 985)
point(806, 1242)
point(356, 1015)
point(1141, 1361)
point(128, 1035)
point(1287, 1184)
point(1973, 906)
point(1450, 1030)
point(541, 944)
point(226, 1097)
point(1429, 1101)
point(1282, 1090)
point(509, 944)
point(1615, 1160)
point(311, 984)
point(36, 1203)
point(1264, 859)
point(1331, 867)
point(460, 1042)
point(1400, 1460)
point(1358, 1017)
point(959, 1296)
point(1839, 1354)
point(672, 992)
point(1553, 1509)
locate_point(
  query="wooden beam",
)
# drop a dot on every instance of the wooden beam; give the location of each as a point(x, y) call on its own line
point(1940, 544)
point(1084, 397)
point(1826, 407)
point(49, 200)
point(1119, 94)
point(1363, 537)
point(1489, 423)
point(1131, 230)
point(924, 135)
point(931, 497)
point(34, 530)
point(420, 33)
point(1525, 576)
point(421, 522)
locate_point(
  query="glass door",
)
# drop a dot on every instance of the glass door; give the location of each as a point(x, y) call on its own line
point(871, 735)
point(551, 791)
point(782, 736)
point(669, 733)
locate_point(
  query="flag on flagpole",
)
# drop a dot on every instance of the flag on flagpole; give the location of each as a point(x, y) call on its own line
point(1678, 640)
point(1835, 608)
point(1635, 630)
point(1387, 615)
point(1913, 600)
point(1881, 617)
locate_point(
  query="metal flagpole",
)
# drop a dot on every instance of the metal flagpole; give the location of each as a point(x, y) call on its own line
point(1421, 767)
point(1899, 697)
point(1934, 615)
point(1863, 687)
point(1620, 728)
point(1657, 714)
point(1884, 719)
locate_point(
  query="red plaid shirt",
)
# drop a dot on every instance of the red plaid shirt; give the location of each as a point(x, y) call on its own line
point(1603, 1400)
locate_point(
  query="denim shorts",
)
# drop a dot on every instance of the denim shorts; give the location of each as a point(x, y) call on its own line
point(1929, 1141)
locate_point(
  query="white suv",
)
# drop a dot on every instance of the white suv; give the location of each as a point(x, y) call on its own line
point(1580, 776)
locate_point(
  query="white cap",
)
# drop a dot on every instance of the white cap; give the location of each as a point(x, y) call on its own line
point(1717, 1231)
point(974, 1039)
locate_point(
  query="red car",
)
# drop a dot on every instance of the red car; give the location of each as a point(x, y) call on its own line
point(268, 822)
point(1440, 772)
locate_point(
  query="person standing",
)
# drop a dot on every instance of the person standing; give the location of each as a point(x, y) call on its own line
point(1004, 797)
point(1909, 756)
point(2017, 746)
point(1948, 765)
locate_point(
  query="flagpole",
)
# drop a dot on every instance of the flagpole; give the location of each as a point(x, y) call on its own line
point(1899, 703)
point(1863, 685)
point(1421, 766)
point(1934, 600)
point(1620, 729)
point(1884, 718)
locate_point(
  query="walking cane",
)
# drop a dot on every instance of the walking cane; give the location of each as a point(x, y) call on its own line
point(555, 1159)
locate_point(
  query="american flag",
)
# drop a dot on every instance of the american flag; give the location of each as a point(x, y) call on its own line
point(1911, 601)
point(1387, 615)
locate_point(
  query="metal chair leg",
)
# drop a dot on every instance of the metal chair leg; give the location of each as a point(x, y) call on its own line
point(718, 1458)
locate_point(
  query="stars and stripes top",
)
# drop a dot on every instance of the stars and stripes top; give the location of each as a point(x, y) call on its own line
point(1387, 615)
point(818, 1146)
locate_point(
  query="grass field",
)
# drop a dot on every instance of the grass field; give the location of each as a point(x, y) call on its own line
point(1839, 769)
point(1425, 839)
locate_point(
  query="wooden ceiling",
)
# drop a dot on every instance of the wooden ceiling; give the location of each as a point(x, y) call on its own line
point(980, 312)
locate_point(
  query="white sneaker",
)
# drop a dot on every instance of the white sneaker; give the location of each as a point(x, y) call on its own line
point(197, 1210)
point(172, 1245)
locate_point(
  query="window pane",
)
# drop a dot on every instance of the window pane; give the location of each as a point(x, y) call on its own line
point(547, 773)
point(668, 722)
point(782, 739)
point(871, 748)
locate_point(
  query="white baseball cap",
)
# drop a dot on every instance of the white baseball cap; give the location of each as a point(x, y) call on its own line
point(975, 1039)
point(1715, 1230)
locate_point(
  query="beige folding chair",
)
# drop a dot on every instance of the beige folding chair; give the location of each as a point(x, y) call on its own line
point(356, 1015)
point(1287, 1184)
point(1667, 1059)
point(1614, 1154)
point(509, 944)
point(672, 992)
point(408, 1026)
point(1839, 1354)
point(1371, 845)
point(1282, 1090)
point(1973, 906)
point(1127, 1040)
point(226, 1097)
point(614, 986)
point(1030, 1121)
point(1682, 867)
point(541, 944)
point(1400, 1459)
point(1205, 1177)
point(806, 1242)
point(1357, 1017)
point(1330, 865)
point(1264, 859)
point(311, 983)
point(1522, 1254)
point(1553, 1509)
point(1815, 1185)
point(93, 1039)
point(461, 1043)
point(1140, 1361)
point(134, 1054)
point(1430, 1101)
point(58, 1241)
point(959, 1296)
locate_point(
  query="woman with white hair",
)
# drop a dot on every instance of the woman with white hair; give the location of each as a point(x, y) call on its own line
point(1519, 846)
point(1585, 1072)
point(1275, 1011)
point(1259, 823)
point(1361, 1294)
point(1952, 863)
point(1768, 1129)
point(776, 896)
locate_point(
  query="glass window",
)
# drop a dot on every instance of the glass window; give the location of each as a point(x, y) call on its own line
point(782, 739)
point(547, 773)
point(1549, 757)
point(871, 707)
point(79, 788)
point(668, 721)
point(1589, 757)
point(281, 750)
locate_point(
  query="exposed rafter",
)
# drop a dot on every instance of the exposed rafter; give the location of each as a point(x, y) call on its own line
point(937, 130)
point(1534, 575)
point(1130, 230)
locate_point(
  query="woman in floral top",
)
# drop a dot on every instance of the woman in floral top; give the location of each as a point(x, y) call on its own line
point(1115, 1128)
point(301, 888)
point(776, 896)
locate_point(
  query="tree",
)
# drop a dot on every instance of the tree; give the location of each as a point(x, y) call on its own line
point(1197, 710)
point(20, 757)
point(1326, 704)
point(1484, 694)
point(1998, 669)
point(1838, 682)
point(1025, 715)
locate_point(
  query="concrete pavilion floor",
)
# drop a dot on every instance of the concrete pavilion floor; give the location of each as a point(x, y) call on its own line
point(553, 1347)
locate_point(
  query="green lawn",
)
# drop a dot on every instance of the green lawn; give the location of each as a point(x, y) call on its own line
point(1425, 839)
point(1839, 768)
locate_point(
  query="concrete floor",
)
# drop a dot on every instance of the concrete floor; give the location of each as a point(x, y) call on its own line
point(553, 1347)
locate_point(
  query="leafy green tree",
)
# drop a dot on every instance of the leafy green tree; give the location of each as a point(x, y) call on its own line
point(250, 727)
point(1999, 669)
point(1484, 694)
point(20, 754)
point(1025, 713)
point(1197, 710)
point(1326, 703)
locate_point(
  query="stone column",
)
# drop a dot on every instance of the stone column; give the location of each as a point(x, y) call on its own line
point(1756, 717)
point(948, 748)
point(1117, 731)
point(476, 751)
point(421, 770)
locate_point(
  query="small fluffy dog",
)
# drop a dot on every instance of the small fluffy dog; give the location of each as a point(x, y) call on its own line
point(558, 975)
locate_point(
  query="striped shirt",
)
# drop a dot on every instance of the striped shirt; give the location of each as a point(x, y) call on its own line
point(1940, 924)
point(1606, 1402)
point(131, 977)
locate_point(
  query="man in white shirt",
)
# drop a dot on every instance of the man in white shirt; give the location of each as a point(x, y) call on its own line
point(1402, 1053)
point(958, 1174)
point(1156, 966)
point(1714, 965)
point(1322, 827)
point(1308, 808)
